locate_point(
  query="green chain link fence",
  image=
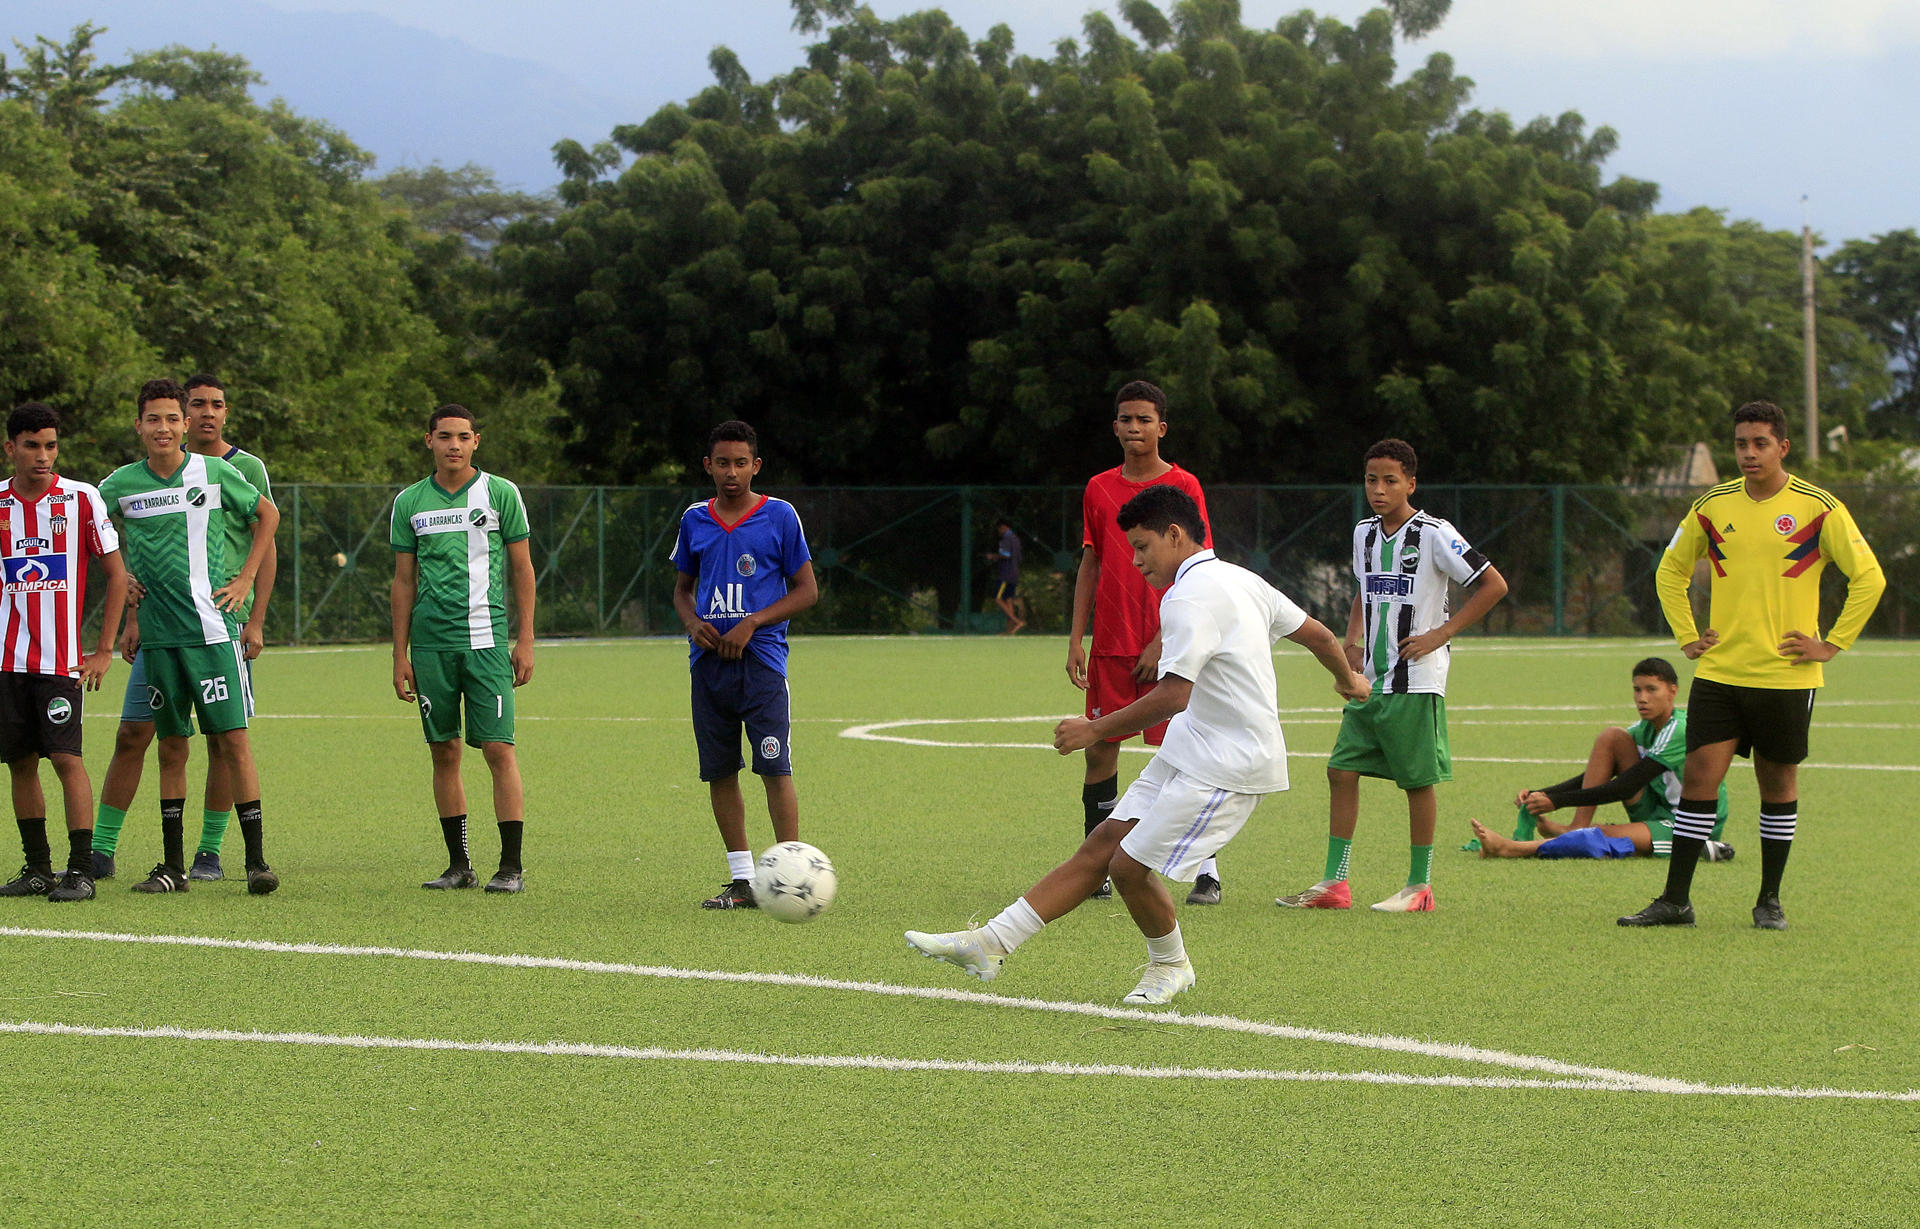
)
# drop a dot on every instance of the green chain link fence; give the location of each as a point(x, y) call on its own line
point(1579, 559)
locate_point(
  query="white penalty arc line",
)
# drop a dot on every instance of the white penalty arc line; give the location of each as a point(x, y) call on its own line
point(874, 1062)
point(879, 732)
point(1572, 1075)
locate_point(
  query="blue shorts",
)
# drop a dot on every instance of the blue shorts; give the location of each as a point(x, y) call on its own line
point(730, 694)
point(137, 705)
point(1586, 843)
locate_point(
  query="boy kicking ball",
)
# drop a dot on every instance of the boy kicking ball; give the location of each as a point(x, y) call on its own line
point(1223, 751)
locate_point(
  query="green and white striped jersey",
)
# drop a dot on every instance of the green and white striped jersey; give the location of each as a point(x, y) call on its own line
point(460, 539)
point(239, 529)
point(174, 533)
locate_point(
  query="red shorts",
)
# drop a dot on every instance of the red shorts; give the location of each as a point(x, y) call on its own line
point(1111, 687)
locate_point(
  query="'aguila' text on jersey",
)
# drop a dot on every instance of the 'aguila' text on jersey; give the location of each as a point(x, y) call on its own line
point(176, 542)
point(741, 568)
point(1764, 559)
point(460, 540)
point(1403, 592)
point(44, 548)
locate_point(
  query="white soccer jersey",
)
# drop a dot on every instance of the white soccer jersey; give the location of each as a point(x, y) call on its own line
point(1403, 591)
point(45, 545)
point(1218, 626)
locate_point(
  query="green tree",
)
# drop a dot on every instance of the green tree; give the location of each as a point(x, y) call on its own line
point(1880, 289)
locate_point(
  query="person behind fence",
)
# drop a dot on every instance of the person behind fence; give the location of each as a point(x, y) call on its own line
point(742, 569)
point(458, 535)
point(1638, 767)
point(1767, 537)
point(1006, 577)
point(206, 410)
point(1123, 609)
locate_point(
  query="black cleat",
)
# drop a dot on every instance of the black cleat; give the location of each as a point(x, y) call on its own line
point(102, 865)
point(206, 866)
point(73, 886)
point(30, 883)
point(1768, 915)
point(1206, 891)
point(1662, 912)
point(507, 881)
point(736, 895)
point(163, 878)
point(1717, 851)
point(261, 879)
point(454, 877)
point(1104, 891)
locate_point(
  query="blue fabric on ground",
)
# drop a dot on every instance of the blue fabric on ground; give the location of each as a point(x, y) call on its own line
point(1586, 843)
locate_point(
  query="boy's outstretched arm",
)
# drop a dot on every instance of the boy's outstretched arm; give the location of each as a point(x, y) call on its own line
point(1487, 592)
point(1314, 636)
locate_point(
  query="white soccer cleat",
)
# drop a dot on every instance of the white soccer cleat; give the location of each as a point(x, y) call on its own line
point(973, 950)
point(1160, 983)
point(1415, 899)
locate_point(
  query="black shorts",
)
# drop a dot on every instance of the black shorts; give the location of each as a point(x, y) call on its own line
point(39, 715)
point(1006, 590)
point(1768, 720)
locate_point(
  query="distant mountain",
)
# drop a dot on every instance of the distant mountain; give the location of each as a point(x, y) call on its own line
point(408, 96)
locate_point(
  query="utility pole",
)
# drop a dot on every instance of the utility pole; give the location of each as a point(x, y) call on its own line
point(1808, 345)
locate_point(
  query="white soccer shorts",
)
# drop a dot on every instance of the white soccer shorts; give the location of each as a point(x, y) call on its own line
point(1181, 821)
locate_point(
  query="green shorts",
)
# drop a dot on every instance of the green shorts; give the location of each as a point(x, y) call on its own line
point(210, 679)
point(1399, 736)
point(484, 677)
point(1658, 817)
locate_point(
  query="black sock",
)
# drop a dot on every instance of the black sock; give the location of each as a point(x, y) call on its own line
point(1777, 823)
point(1693, 821)
point(172, 832)
point(453, 830)
point(80, 850)
point(248, 813)
point(33, 842)
point(510, 845)
point(1097, 799)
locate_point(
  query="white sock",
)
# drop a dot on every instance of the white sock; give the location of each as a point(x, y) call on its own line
point(739, 863)
point(1016, 924)
point(1210, 867)
point(1169, 948)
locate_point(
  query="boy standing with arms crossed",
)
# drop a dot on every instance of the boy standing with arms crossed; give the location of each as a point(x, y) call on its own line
point(1124, 609)
point(50, 528)
point(1769, 536)
point(1397, 633)
point(456, 536)
point(742, 569)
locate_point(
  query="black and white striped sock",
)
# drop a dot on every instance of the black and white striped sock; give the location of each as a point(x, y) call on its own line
point(1693, 822)
point(1778, 820)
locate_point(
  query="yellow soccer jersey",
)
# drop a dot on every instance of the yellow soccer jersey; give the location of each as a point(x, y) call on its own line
point(1766, 558)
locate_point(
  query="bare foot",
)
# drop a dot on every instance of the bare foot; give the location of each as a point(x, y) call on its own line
point(1487, 838)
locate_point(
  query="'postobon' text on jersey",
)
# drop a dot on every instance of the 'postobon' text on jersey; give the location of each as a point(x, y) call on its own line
point(1765, 557)
point(460, 539)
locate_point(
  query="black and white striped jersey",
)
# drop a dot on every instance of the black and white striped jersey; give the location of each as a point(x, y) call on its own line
point(1403, 592)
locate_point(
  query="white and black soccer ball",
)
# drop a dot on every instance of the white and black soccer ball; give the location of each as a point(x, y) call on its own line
point(794, 882)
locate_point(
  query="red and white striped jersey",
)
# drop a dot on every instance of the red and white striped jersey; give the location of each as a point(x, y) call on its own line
point(44, 548)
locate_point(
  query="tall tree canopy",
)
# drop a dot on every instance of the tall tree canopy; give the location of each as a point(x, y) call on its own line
point(1880, 282)
point(920, 255)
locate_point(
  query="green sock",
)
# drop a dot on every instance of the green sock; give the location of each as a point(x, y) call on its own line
point(1339, 853)
point(106, 829)
point(1422, 871)
point(1524, 825)
point(213, 828)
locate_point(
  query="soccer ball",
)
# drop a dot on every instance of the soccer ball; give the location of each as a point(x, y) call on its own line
point(793, 882)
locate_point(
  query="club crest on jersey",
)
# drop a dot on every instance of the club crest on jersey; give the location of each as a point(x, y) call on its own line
point(44, 574)
point(56, 525)
point(769, 748)
point(196, 497)
point(745, 565)
point(477, 517)
point(1410, 559)
point(1784, 524)
point(59, 710)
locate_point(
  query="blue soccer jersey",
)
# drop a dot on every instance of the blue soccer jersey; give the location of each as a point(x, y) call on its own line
point(741, 568)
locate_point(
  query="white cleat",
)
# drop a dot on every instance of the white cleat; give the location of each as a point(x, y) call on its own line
point(1160, 983)
point(1415, 899)
point(973, 950)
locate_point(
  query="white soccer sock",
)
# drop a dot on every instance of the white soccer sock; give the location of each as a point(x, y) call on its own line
point(1015, 925)
point(1210, 867)
point(739, 863)
point(1169, 948)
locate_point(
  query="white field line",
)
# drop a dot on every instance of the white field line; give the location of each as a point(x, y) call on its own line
point(871, 1062)
point(877, 732)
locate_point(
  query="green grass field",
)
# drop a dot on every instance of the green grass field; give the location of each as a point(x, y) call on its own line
point(1308, 1078)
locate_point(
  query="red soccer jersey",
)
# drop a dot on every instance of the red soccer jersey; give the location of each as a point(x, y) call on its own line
point(44, 548)
point(1126, 609)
